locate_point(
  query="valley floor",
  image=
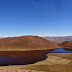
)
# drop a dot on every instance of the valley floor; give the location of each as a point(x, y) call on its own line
point(56, 62)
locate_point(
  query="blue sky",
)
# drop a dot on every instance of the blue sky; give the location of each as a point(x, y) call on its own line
point(35, 17)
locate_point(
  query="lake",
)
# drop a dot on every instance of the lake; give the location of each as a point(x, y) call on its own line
point(22, 57)
point(27, 57)
point(61, 50)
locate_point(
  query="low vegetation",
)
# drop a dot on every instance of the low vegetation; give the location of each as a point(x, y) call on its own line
point(52, 60)
point(54, 63)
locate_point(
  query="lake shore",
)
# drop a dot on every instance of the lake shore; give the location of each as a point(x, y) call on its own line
point(47, 65)
point(22, 57)
point(53, 63)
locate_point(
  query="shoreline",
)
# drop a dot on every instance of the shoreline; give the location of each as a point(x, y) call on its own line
point(22, 57)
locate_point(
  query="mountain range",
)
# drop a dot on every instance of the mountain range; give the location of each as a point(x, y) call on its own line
point(59, 38)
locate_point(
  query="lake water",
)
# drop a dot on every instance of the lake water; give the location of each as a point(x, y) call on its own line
point(61, 50)
point(22, 57)
point(27, 57)
point(20, 61)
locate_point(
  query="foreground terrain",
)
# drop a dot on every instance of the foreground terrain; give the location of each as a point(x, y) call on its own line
point(56, 62)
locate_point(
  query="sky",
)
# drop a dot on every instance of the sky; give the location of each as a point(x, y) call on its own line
point(35, 17)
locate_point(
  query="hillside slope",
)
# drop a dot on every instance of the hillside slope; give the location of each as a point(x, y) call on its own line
point(66, 44)
point(26, 42)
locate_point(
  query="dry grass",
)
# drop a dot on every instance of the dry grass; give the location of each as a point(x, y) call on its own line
point(52, 60)
point(58, 62)
point(16, 69)
point(21, 49)
point(54, 63)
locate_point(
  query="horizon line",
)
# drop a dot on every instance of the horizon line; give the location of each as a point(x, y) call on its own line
point(37, 35)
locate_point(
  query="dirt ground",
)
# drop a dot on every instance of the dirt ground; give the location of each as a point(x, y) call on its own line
point(16, 69)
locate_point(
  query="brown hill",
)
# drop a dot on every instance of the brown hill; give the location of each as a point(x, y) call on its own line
point(66, 44)
point(26, 42)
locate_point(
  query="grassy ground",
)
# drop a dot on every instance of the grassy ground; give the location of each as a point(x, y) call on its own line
point(22, 49)
point(52, 60)
point(54, 63)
